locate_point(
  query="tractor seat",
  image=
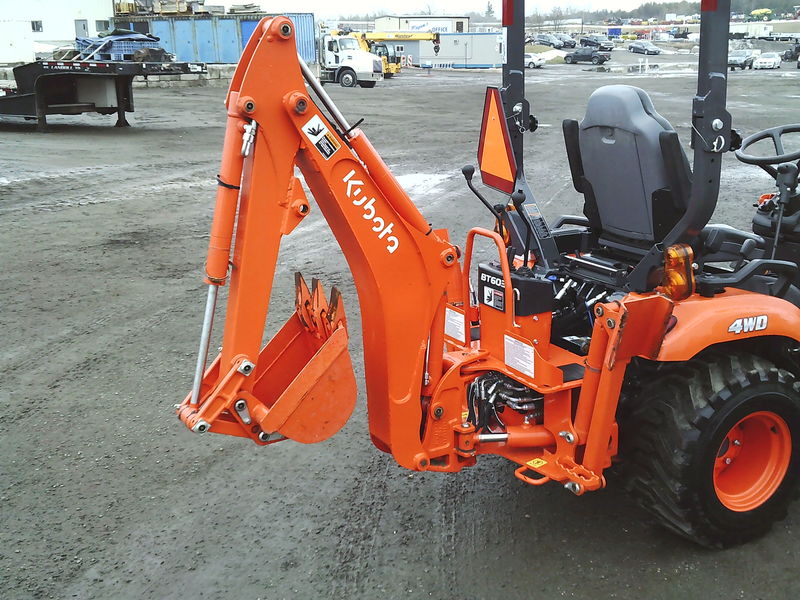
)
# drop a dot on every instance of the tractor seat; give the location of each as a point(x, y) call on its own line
point(628, 163)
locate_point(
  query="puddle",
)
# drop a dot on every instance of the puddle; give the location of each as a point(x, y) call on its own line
point(422, 183)
point(647, 68)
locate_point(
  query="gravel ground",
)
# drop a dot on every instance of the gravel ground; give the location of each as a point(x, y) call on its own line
point(104, 494)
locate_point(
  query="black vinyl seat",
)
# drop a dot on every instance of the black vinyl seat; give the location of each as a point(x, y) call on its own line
point(628, 163)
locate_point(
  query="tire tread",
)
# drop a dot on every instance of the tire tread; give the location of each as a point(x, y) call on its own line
point(660, 432)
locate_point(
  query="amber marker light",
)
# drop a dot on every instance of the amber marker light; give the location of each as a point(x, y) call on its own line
point(678, 280)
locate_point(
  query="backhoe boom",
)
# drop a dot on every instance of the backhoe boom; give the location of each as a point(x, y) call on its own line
point(400, 265)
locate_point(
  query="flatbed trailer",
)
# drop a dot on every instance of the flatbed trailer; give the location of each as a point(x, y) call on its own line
point(54, 87)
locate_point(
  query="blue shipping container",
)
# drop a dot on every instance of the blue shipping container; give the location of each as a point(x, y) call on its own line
point(217, 39)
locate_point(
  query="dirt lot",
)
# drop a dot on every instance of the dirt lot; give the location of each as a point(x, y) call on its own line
point(104, 494)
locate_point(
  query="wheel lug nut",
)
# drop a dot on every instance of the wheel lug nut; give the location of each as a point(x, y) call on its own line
point(728, 461)
point(737, 443)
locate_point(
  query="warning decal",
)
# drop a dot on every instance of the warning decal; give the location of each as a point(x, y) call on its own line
point(321, 137)
point(536, 463)
point(519, 355)
point(454, 325)
point(494, 298)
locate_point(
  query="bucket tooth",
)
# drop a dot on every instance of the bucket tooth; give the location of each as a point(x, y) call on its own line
point(303, 301)
point(336, 313)
point(319, 302)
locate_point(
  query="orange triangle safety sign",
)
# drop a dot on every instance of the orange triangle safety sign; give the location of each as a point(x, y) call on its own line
point(495, 156)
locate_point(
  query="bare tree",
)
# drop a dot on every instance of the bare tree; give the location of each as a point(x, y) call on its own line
point(557, 17)
point(537, 20)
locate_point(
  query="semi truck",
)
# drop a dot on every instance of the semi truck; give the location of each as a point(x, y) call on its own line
point(342, 61)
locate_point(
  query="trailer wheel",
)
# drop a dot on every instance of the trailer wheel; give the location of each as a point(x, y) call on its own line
point(712, 448)
point(367, 84)
point(347, 78)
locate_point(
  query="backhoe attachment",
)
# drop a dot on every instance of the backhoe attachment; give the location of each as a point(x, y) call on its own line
point(301, 385)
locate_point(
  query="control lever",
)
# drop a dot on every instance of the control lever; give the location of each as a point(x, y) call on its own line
point(518, 200)
point(746, 252)
point(468, 171)
point(786, 180)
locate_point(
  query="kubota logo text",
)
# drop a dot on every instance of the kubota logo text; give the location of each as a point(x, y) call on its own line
point(381, 228)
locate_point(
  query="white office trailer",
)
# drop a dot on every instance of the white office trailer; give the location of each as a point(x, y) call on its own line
point(28, 27)
point(457, 51)
point(423, 23)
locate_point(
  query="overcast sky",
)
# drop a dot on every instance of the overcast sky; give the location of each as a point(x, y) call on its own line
point(325, 9)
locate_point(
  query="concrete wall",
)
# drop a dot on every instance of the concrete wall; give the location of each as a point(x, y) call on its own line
point(18, 41)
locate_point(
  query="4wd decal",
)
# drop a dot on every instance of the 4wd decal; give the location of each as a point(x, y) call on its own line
point(321, 137)
point(381, 227)
point(748, 324)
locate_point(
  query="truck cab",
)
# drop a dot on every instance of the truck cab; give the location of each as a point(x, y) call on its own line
point(343, 61)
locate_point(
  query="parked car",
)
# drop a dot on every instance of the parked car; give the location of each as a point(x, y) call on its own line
point(548, 39)
point(768, 60)
point(741, 58)
point(600, 42)
point(534, 61)
point(644, 47)
point(592, 55)
point(568, 41)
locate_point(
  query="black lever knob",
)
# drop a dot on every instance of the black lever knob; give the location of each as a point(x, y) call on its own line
point(517, 198)
point(468, 171)
point(747, 248)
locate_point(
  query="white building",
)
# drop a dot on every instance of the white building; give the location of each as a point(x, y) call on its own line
point(423, 23)
point(31, 26)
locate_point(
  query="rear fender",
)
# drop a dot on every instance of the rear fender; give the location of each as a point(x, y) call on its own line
point(728, 317)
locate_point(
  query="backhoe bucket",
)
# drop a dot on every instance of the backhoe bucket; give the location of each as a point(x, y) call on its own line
point(305, 385)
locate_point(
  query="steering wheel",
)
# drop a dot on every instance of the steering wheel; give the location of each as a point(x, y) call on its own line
point(781, 156)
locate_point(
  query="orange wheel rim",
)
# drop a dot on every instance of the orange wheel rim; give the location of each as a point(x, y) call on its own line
point(752, 461)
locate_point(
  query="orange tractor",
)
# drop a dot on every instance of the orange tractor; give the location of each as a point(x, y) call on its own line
point(635, 333)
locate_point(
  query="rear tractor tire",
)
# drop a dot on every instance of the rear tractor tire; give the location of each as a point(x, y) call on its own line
point(711, 447)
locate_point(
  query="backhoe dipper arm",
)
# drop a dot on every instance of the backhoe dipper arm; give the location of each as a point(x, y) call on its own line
point(301, 385)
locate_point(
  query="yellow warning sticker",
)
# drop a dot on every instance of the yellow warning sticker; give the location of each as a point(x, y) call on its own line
point(536, 463)
point(465, 415)
point(321, 137)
